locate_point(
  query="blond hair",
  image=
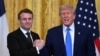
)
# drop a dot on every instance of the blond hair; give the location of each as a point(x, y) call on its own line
point(68, 7)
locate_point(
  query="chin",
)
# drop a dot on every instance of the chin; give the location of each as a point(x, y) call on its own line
point(27, 28)
point(67, 25)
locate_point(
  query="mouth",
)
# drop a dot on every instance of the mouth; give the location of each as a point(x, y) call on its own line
point(28, 25)
point(66, 20)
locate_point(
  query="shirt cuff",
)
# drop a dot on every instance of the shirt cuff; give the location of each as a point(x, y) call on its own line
point(37, 50)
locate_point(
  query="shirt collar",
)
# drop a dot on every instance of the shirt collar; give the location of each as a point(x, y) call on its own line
point(71, 27)
point(23, 30)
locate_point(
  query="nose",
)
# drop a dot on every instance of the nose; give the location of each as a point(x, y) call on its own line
point(27, 20)
point(65, 16)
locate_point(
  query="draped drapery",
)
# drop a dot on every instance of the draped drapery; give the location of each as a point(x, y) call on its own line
point(46, 13)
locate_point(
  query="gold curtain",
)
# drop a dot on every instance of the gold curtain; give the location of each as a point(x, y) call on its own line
point(46, 13)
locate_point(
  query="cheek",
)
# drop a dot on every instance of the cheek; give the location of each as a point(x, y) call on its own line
point(71, 20)
point(30, 22)
point(62, 19)
point(22, 22)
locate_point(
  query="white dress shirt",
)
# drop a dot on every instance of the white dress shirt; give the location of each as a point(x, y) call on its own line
point(72, 31)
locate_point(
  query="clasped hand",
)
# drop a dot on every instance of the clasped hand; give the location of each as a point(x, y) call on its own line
point(39, 43)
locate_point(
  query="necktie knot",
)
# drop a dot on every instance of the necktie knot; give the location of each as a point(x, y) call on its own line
point(28, 34)
point(68, 29)
point(29, 37)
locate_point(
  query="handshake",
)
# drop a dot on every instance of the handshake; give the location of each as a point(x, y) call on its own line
point(39, 43)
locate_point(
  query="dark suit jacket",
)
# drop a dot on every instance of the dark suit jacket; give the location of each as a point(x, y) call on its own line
point(83, 42)
point(18, 44)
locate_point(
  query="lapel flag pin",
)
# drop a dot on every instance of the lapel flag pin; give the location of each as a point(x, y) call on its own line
point(79, 33)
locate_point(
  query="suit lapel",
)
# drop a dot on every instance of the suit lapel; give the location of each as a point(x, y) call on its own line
point(61, 41)
point(23, 38)
point(76, 39)
point(21, 35)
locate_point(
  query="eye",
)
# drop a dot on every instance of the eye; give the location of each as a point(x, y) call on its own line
point(62, 13)
point(29, 18)
point(67, 13)
point(24, 18)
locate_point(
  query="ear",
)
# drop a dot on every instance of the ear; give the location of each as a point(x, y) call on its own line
point(74, 16)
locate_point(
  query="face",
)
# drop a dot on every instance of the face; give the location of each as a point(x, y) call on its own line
point(26, 20)
point(67, 16)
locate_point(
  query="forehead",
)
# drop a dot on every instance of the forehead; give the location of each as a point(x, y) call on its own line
point(66, 10)
point(25, 14)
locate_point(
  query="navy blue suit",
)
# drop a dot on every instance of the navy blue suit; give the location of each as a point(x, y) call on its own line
point(83, 42)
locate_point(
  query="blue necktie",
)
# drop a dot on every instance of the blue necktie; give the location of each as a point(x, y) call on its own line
point(68, 43)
